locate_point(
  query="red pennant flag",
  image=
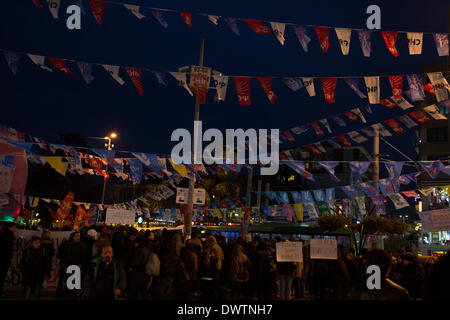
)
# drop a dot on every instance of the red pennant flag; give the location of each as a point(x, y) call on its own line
point(60, 65)
point(257, 26)
point(135, 76)
point(344, 140)
point(429, 88)
point(313, 149)
point(266, 83)
point(395, 126)
point(38, 4)
point(98, 8)
point(323, 33)
point(351, 116)
point(387, 103)
point(397, 86)
point(419, 116)
point(243, 89)
point(187, 18)
point(390, 37)
point(96, 164)
point(317, 128)
point(288, 135)
point(200, 83)
point(329, 86)
point(410, 194)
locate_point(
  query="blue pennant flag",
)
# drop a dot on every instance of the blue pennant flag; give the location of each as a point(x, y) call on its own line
point(368, 189)
point(284, 197)
point(297, 196)
point(24, 145)
point(358, 168)
point(135, 170)
point(108, 155)
point(265, 210)
point(319, 195)
point(350, 191)
point(299, 167)
point(394, 170)
point(339, 121)
point(159, 77)
point(86, 71)
point(387, 186)
point(330, 194)
point(329, 166)
point(307, 196)
point(432, 167)
point(12, 59)
point(354, 83)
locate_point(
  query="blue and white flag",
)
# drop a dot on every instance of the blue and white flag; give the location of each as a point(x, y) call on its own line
point(12, 59)
point(299, 167)
point(159, 77)
point(86, 71)
point(350, 191)
point(394, 169)
point(416, 87)
point(329, 166)
point(284, 197)
point(297, 196)
point(136, 170)
point(404, 180)
point(232, 24)
point(358, 168)
point(159, 16)
point(388, 186)
point(307, 196)
point(330, 194)
point(398, 200)
point(339, 121)
point(445, 169)
point(432, 167)
point(319, 195)
point(413, 176)
point(108, 155)
point(294, 84)
point(300, 32)
point(364, 38)
point(355, 83)
point(368, 189)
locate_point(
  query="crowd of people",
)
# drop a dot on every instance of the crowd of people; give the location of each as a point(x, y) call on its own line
point(123, 263)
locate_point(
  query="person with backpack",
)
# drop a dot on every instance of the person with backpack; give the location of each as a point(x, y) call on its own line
point(211, 266)
point(169, 264)
point(152, 269)
point(239, 275)
point(105, 279)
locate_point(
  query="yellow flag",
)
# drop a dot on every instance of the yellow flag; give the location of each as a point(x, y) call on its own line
point(446, 189)
point(35, 202)
point(218, 212)
point(298, 209)
point(181, 169)
point(57, 164)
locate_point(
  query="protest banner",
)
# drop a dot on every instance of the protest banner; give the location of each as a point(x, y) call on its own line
point(289, 251)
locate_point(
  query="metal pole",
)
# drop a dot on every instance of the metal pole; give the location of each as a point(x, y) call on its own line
point(248, 201)
point(376, 151)
point(190, 204)
point(104, 178)
point(266, 200)
point(258, 198)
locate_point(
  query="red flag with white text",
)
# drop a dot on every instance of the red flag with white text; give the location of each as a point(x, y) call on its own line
point(344, 140)
point(317, 128)
point(243, 89)
point(313, 149)
point(323, 33)
point(329, 87)
point(390, 37)
point(60, 64)
point(187, 18)
point(419, 116)
point(395, 126)
point(266, 83)
point(257, 26)
point(135, 76)
point(387, 103)
point(397, 86)
point(351, 116)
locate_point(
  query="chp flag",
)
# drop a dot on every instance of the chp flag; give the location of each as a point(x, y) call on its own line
point(200, 77)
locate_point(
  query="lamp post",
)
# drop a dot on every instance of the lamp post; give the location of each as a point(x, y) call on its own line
point(109, 146)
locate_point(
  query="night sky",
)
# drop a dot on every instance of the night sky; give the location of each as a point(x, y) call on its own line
point(46, 104)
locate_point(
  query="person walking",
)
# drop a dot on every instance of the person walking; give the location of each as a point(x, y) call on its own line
point(6, 252)
point(138, 279)
point(49, 252)
point(239, 271)
point(33, 266)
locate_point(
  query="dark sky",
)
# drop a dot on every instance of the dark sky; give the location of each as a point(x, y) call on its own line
point(45, 104)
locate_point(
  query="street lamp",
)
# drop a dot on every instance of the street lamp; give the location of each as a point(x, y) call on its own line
point(108, 145)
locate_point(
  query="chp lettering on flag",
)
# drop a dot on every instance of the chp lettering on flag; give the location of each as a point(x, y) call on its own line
point(344, 35)
point(415, 42)
point(397, 86)
point(200, 78)
point(243, 89)
point(323, 34)
point(390, 38)
point(329, 87)
point(135, 76)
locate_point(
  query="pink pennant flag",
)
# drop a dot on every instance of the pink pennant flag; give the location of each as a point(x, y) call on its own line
point(410, 194)
point(329, 87)
point(243, 90)
point(390, 37)
point(387, 103)
point(60, 65)
point(398, 129)
point(266, 83)
point(397, 86)
point(317, 128)
point(98, 8)
point(38, 4)
point(257, 26)
point(323, 33)
point(135, 76)
point(187, 18)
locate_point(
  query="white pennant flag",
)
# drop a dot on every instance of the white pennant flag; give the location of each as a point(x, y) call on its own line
point(359, 114)
point(398, 200)
point(361, 201)
point(402, 103)
point(221, 84)
point(344, 35)
point(53, 6)
point(426, 191)
point(278, 30)
point(415, 42)
point(324, 122)
point(134, 10)
point(309, 85)
point(358, 138)
point(114, 72)
point(373, 89)
point(213, 19)
point(182, 80)
point(383, 131)
point(433, 111)
point(320, 147)
point(39, 61)
point(440, 85)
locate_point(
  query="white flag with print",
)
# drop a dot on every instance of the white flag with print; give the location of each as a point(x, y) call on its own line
point(278, 30)
point(134, 10)
point(114, 72)
point(358, 138)
point(398, 200)
point(319, 146)
point(373, 89)
point(39, 61)
point(221, 84)
point(359, 114)
point(415, 42)
point(344, 35)
point(309, 85)
point(440, 85)
point(381, 129)
point(434, 112)
point(53, 6)
point(324, 122)
point(402, 103)
point(213, 19)
point(182, 80)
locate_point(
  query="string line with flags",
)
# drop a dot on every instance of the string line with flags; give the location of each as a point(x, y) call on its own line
point(303, 32)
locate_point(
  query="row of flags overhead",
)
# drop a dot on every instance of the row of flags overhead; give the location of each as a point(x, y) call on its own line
point(278, 29)
point(438, 85)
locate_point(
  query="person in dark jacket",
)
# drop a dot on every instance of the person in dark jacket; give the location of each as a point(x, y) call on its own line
point(33, 266)
point(439, 280)
point(105, 279)
point(49, 252)
point(6, 251)
point(138, 279)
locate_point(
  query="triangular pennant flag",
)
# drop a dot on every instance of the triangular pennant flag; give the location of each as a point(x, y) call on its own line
point(329, 166)
point(53, 6)
point(299, 167)
point(344, 35)
point(159, 16)
point(187, 18)
point(358, 168)
point(440, 85)
point(394, 169)
point(135, 170)
point(182, 80)
point(411, 194)
point(368, 132)
point(395, 126)
point(432, 167)
point(232, 24)
point(213, 19)
point(381, 129)
point(107, 155)
point(416, 87)
point(159, 77)
point(317, 129)
point(368, 189)
point(278, 30)
point(309, 85)
point(266, 83)
point(388, 186)
point(378, 201)
point(60, 65)
point(57, 164)
point(390, 38)
point(221, 84)
point(441, 41)
point(333, 143)
point(419, 116)
point(373, 89)
point(114, 72)
point(415, 42)
point(433, 111)
point(350, 115)
point(407, 121)
point(402, 103)
point(12, 59)
point(39, 61)
point(426, 191)
point(98, 8)
point(359, 114)
point(366, 44)
point(329, 86)
point(257, 26)
point(397, 86)
point(361, 201)
point(355, 136)
point(200, 79)
point(324, 122)
point(319, 146)
point(354, 83)
point(323, 34)
point(344, 140)
point(38, 4)
point(134, 10)
point(300, 32)
point(398, 200)
point(86, 71)
point(243, 90)
point(135, 76)
point(313, 149)
point(299, 130)
point(350, 191)
point(294, 84)
point(339, 121)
